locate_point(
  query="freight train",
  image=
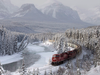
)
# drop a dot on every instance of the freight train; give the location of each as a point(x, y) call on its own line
point(58, 59)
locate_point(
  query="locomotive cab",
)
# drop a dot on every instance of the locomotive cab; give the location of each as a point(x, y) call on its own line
point(55, 58)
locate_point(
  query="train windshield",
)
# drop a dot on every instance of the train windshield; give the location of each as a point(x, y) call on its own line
point(55, 55)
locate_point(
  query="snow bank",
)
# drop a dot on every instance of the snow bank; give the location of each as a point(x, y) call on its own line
point(47, 44)
point(94, 71)
point(44, 60)
point(35, 48)
point(10, 58)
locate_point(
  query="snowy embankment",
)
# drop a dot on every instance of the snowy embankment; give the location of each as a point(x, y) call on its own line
point(94, 71)
point(10, 58)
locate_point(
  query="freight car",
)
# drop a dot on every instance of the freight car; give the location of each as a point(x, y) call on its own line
point(60, 58)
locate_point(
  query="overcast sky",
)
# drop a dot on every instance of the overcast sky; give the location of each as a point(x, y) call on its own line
point(71, 3)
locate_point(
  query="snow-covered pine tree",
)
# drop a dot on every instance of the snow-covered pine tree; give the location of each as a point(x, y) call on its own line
point(33, 72)
point(77, 63)
point(95, 60)
point(59, 48)
point(37, 71)
point(9, 42)
point(45, 73)
point(78, 71)
point(50, 72)
point(65, 47)
point(60, 71)
point(1, 70)
point(23, 69)
point(2, 41)
point(66, 72)
point(15, 44)
point(68, 65)
point(23, 44)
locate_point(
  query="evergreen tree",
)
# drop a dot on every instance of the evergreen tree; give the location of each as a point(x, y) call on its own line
point(33, 72)
point(65, 47)
point(23, 69)
point(59, 48)
point(45, 73)
point(50, 73)
point(78, 71)
point(1, 70)
point(37, 71)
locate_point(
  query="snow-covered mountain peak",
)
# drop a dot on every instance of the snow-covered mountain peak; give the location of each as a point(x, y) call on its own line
point(8, 5)
point(91, 15)
point(57, 10)
point(51, 3)
point(27, 7)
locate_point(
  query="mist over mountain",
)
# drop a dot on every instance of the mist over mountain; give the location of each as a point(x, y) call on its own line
point(11, 8)
point(6, 8)
point(3, 10)
point(91, 15)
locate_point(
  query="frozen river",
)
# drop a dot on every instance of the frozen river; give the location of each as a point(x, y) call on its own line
point(35, 55)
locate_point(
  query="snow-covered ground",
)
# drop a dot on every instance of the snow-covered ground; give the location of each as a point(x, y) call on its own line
point(94, 71)
point(45, 56)
point(35, 48)
point(10, 58)
point(43, 62)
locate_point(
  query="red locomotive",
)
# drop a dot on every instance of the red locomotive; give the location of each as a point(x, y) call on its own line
point(60, 58)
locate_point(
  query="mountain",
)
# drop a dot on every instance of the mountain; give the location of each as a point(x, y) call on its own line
point(91, 15)
point(3, 10)
point(30, 12)
point(60, 12)
point(11, 8)
point(6, 8)
point(95, 17)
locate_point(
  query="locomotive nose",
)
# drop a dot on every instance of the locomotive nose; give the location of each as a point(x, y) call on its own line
point(55, 58)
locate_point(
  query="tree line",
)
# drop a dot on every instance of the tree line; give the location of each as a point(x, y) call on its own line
point(9, 42)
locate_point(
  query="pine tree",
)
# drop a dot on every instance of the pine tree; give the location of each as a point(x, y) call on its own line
point(78, 71)
point(37, 72)
point(77, 63)
point(33, 72)
point(59, 48)
point(1, 70)
point(60, 71)
point(45, 73)
point(23, 69)
point(68, 65)
point(65, 47)
point(50, 73)
point(66, 72)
